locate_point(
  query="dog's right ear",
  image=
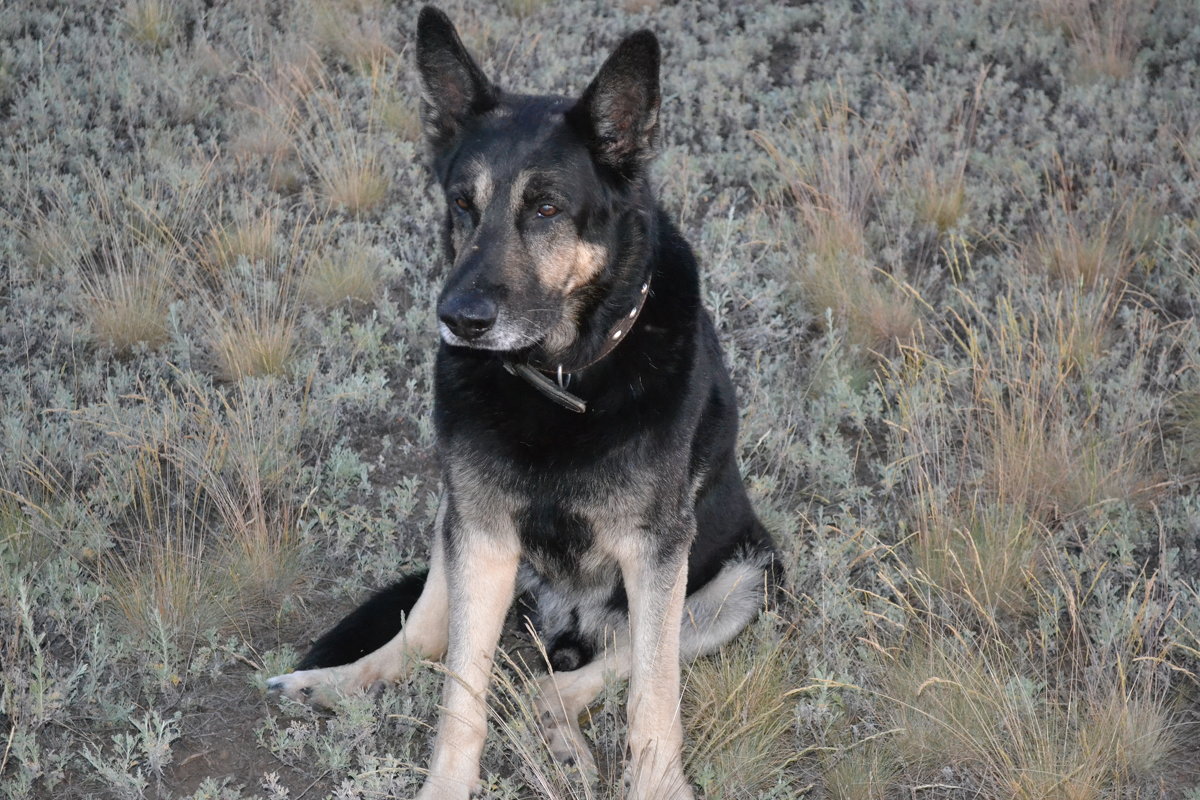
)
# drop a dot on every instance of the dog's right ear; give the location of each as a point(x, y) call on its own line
point(453, 87)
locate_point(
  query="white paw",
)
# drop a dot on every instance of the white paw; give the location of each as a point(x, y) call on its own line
point(318, 687)
point(566, 741)
point(444, 790)
point(661, 779)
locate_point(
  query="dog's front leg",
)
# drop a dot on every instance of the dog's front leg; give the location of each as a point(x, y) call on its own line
point(656, 582)
point(481, 572)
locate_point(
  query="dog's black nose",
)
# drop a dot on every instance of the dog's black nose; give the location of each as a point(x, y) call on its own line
point(469, 315)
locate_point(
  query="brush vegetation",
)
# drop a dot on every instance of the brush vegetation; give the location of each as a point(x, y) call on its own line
point(950, 250)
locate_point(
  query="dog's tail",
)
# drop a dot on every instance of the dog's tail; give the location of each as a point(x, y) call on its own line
point(368, 627)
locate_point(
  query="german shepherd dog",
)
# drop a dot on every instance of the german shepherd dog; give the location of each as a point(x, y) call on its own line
point(585, 423)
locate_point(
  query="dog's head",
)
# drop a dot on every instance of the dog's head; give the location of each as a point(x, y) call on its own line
point(542, 193)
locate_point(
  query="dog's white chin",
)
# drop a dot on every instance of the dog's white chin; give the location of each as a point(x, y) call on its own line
point(500, 338)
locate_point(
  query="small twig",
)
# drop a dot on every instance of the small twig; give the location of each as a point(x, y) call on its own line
point(924, 786)
point(316, 780)
point(240, 657)
point(8, 747)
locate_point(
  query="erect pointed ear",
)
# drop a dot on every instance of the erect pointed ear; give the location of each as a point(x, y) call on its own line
point(618, 112)
point(453, 87)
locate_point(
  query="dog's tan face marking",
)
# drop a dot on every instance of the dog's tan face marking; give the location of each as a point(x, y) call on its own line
point(571, 265)
point(562, 262)
point(560, 337)
point(482, 182)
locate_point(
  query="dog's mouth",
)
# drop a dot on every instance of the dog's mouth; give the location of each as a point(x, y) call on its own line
point(509, 333)
point(500, 341)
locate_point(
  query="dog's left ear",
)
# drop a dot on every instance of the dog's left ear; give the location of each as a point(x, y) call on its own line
point(618, 112)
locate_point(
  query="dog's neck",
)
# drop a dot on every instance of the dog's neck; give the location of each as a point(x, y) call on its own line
point(552, 378)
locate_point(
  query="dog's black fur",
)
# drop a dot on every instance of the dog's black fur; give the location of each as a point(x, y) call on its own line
point(657, 443)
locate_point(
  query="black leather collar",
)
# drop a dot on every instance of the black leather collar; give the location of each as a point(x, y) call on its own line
point(554, 385)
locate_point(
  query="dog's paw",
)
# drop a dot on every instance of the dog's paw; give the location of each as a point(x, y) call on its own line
point(560, 727)
point(445, 790)
point(567, 743)
point(655, 781)
point(316, 687)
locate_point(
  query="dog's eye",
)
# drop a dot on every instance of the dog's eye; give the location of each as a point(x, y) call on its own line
point(463, 203)
point(547, 210)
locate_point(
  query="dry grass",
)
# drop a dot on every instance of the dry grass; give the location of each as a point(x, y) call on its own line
point(351, 176)
point(258, 472)
point(393, 110)
point(255, 336)
point(1005, 455)
point(986, 554)
point(350, 274)
point(253, 329)
point(270, 143)
point(400, 116)
point(209, 537)
point(1081, 326)
point(514, 717)
point(354, 182)
point(941, 202)
point(152, 23)
point(353, 33)
point(265, 140)
point(1105, 35)
point(736, 711)
point(296, 72)
point(1001, 450)
point(127, 305)
point(163, 574)
point(1076, 254)
point(978, 710)
point(1132, 734)
point(865, 772)
point(249, 235)
point(1033, 445)
point(52, 242)
point(828, 191)
point(522, 9)
point(128, 277)
point(1044, 450)
point(1185, 424)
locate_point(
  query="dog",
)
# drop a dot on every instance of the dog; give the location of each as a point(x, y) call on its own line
point(586, 429)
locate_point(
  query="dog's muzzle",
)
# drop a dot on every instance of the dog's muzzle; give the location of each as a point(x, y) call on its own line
point(468, 315)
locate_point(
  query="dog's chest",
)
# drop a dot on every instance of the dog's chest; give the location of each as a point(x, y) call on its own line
point(571, 540)
point(571, 523)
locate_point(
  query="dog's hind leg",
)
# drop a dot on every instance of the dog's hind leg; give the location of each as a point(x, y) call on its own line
point(563, 697)
point(712, 616)
point(359, 653)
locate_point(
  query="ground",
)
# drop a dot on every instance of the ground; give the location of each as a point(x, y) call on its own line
point(952, 254)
